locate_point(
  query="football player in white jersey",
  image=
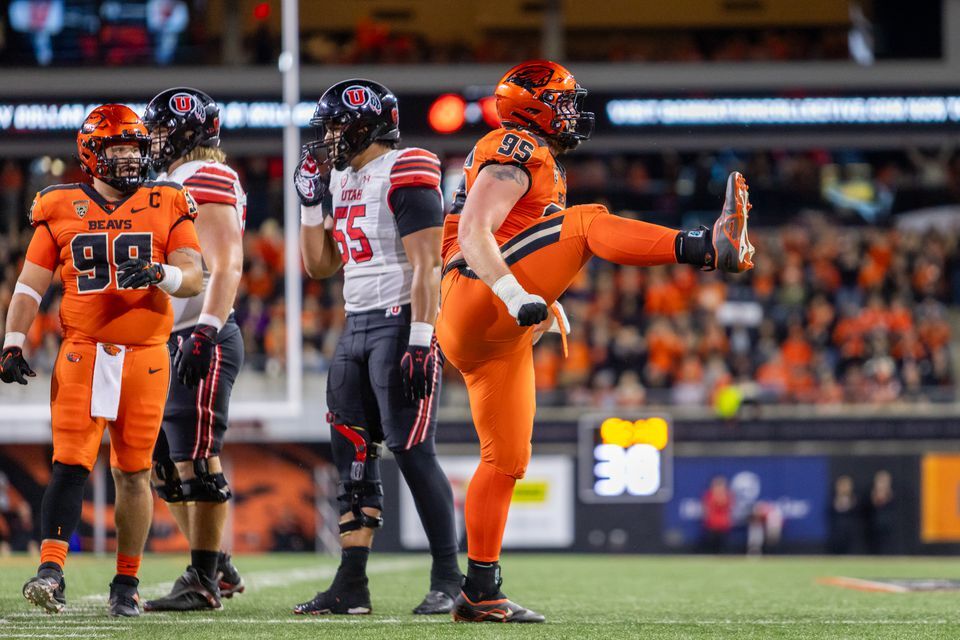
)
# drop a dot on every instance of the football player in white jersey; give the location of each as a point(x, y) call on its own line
point(206, 347)
point(384, 382)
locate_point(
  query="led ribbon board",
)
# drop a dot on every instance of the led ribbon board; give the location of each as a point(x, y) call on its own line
point(625, 459)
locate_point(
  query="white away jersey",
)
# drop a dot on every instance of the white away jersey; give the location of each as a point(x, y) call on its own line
point(208, 182)
point(377, 274)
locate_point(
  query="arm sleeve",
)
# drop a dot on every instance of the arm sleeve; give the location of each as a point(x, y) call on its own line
point(416, 208)
point(210, 184)
point(415, 168)
point(43, 250)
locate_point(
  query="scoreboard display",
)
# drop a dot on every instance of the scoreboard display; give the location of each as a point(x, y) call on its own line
point(625, 459)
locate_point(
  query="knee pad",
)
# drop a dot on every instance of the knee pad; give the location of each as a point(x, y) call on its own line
point(358, 462)
point(169, 489)
point(206, 486)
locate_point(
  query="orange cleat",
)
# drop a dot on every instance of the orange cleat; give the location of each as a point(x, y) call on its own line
point(734, 253)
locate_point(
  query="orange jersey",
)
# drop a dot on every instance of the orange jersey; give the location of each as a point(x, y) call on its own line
point(548, 183)
point(77, 229)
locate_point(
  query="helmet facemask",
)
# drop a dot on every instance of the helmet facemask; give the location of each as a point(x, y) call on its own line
point(125, 174)
point(166, 147)
point(342, 136)
point(572, 123)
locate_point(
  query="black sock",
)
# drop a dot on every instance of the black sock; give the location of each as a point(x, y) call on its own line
point(434, 500)
point(128, 580)
point(62, 502)
point(205, 562)
point(353, 567)
point(695, 247)
point(445, 575)
point(483, 578)
point(50, 568)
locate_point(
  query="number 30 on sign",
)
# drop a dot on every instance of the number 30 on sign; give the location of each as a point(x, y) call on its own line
point(625, 460)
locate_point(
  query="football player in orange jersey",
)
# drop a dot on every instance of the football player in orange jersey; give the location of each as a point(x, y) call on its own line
point(510, 248)
point(123, 248)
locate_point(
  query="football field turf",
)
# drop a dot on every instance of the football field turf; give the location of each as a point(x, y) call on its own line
point(582, 597)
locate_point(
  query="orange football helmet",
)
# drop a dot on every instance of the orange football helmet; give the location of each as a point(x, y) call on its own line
point(544, 97)
point(112, 125)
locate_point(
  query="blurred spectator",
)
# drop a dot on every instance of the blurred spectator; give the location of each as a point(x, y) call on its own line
point(880, 515)
point(717, 515)
point(764, 528)
point(844, 517)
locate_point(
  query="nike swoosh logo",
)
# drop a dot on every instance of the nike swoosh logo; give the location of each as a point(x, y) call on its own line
point(138, 210)
point(152, 371)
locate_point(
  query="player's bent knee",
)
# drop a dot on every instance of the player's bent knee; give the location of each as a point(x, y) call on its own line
point(166, 481)
point(205, 486)
point(509, 460)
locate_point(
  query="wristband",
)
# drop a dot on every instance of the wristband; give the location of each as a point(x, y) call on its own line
point(507, 288)
point(311, 216)
point(27, 290)
point(421, 334)
point(14, 339)
point(210, 319)
point(172, 278)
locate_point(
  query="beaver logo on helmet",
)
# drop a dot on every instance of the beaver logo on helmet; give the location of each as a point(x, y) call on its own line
point(357, 96)
point(93, 123)
point(532, 77)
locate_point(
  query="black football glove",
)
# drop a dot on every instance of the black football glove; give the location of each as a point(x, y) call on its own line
point(533, 312)
point(417, 367)
point(137, 273)
point(192, 359)
point(13, 366)
point(312, 177)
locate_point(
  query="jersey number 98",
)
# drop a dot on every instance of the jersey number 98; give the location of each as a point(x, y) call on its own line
point(91, 257)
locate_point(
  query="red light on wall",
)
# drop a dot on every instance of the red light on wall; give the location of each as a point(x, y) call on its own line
point(446, 114)
point(261, 11)
point(488, 107)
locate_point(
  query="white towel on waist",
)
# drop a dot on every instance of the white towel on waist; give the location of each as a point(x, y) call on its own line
point(107, 374)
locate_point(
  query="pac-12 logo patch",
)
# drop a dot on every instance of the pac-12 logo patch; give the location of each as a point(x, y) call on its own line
point(184, 103)
point(357, 96)
point(81, 207)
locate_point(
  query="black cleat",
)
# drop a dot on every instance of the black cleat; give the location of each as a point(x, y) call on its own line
point(337, 602)
point(491, 608)
point(124, 599)
point(45, 590)
point(230, 580)
point(433, 603)
point(191, 592)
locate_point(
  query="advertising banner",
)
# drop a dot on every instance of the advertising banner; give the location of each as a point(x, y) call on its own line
point(793, 491)
point(541, 515)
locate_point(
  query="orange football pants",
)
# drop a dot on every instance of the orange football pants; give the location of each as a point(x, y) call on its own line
point(495, 355)
point(77, 435)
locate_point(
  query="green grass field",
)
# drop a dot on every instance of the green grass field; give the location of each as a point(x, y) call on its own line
point(582, 597)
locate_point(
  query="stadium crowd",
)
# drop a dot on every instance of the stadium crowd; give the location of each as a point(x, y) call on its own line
point(836, 311)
